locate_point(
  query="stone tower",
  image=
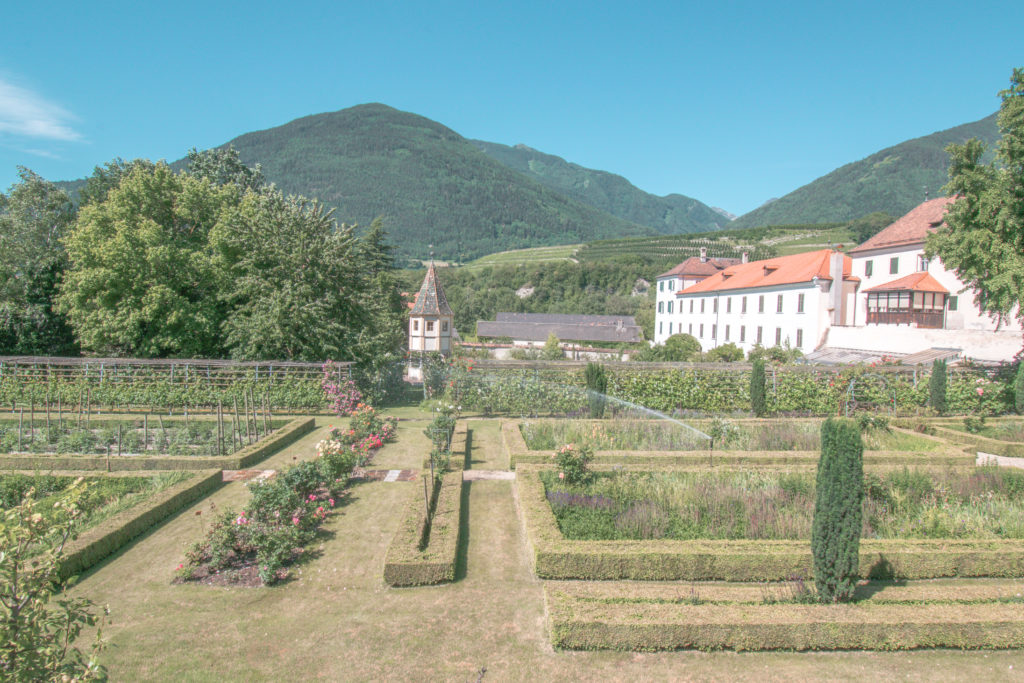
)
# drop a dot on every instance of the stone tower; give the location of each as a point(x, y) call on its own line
point(431, 323)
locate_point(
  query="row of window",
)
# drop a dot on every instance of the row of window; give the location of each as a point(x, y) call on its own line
point(728, 305)
point(906, 301)
point(728, 331)
point(671, 285)
point(894, 265)
point(430, 325)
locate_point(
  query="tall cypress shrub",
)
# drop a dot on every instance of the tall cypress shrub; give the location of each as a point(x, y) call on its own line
point(835, 535)
point(937, 387)
point(758, 399)
point(1018, 389)
point(597, 385)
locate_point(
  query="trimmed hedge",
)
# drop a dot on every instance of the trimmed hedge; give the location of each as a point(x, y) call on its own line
point(459, 454)
point(110, 535)
point(423, 550)
point(585, 625)
point(555, 557)
point(240, 459)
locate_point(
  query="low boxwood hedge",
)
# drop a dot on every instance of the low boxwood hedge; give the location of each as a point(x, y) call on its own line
point(555, 557)
point(240, 459)
point(586, 625)
point(110, 535)
point(423, 549)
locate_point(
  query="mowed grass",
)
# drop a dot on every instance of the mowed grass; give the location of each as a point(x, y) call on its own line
point(338, 621)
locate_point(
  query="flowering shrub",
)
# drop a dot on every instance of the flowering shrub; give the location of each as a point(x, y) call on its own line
point(572, 461)
point(283, 514)
point(343, 397)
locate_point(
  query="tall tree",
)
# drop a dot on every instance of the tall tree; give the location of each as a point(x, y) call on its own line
point(34, 216)
point(142, 280)
point(224, 167)
point(984, 241)
point(289, 278)
point(108, 176)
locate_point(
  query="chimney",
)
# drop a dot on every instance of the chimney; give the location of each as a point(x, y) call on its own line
point(745, 258)
point(835, 294)
point(703, 254)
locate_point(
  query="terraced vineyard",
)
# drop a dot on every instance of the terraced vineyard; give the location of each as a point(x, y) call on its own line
point(565, 252)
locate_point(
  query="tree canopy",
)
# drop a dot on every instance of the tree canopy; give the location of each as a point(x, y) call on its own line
point(34, 216)
point(984, 240)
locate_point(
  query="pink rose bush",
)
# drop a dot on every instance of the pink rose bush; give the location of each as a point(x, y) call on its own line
point(284, 513)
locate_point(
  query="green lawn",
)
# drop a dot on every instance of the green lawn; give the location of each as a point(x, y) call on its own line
point(338, 621)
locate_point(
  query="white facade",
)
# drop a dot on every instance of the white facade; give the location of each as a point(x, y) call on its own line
point(430, 333)
point(665, 307)
point(791, 315)
point(880, 266)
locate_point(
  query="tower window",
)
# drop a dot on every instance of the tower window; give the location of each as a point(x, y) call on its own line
point(415, 325)
point(444, 326)
point(430, 326)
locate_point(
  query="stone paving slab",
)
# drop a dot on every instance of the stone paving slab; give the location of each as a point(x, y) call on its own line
point(247, 475)
point(488, 475)
point(384, 475)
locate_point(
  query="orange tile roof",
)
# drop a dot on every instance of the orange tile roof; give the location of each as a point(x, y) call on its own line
point(694, 266)
point(784, 270)
point(917, 282)
point(911, 228)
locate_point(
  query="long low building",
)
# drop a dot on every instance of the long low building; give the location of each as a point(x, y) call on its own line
point(531, 329)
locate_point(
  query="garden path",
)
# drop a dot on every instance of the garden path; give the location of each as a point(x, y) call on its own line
point(337, 620)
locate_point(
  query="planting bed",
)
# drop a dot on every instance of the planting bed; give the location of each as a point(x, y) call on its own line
point(960, 503)
point(557, 557)
point(624, 618)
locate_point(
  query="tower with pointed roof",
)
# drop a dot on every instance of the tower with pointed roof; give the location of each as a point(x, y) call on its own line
point(431, 323)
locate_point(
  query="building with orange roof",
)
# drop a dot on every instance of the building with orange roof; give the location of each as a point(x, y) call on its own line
point(901, 286)
point(784, 301)
point(689, 272)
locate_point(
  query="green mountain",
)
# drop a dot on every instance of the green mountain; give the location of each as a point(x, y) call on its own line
point(431, 185)
point(893, 180)
point(670, 215)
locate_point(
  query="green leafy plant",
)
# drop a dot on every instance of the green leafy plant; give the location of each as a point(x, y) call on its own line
point(835, 535)
point(758, 399)
point(937, 387)
point(597, 384)
point(39, 621)
point(974, 423)
point(1018, 389)
point(573, 463)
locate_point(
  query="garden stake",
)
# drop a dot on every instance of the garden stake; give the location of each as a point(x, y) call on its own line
point(245, 409)
point(266, 413)
point(145, 432)
point(236, 425)
point(32, 421)
point(119, 440)
point(60, 418)
point(163, 432)
point(47, 415)
point(220, 429)
point(108, 457)
point(21, 418)
point(88, 408)
point(255, 419)
point(185, 408)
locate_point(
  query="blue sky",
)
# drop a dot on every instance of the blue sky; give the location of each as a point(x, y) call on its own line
point(728, 102)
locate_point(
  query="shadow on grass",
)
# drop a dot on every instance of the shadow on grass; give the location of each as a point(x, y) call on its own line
point(468, 459)
point(462, 552)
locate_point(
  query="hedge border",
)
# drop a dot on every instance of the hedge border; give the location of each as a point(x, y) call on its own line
point(517, 451)
point(109, 536)
point(575, 624)
point(405, 563)
point(240, 459)
point(554, 557)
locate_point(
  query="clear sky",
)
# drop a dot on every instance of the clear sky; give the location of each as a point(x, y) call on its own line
point(729, 102)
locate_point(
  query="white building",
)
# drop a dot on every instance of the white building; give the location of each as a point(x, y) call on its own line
point(689, 272)
point(431, 323)
point(892, 300)
point(789, 300)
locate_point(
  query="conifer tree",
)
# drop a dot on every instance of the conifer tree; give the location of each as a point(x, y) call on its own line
point(597, 384)
point(758, 399)
point(835, 535)
point(1018, 389)
point(937, 387)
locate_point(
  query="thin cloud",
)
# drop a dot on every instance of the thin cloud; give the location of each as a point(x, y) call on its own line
point(23, 112)
point(43, 153)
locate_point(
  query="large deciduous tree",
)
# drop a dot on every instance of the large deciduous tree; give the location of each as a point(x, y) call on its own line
point(289, 280)
point(984, 240)
point(34, 216)
point(142, 279)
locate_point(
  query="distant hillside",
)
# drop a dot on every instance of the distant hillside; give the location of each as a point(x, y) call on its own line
point(892, 180)
point(670, 215)
point(430, 184)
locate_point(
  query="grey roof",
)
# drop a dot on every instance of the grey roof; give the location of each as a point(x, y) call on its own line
point(574, 332)
point(565, 319)
point(431, 299)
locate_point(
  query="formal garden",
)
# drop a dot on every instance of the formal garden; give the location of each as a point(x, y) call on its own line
point(591, 524)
